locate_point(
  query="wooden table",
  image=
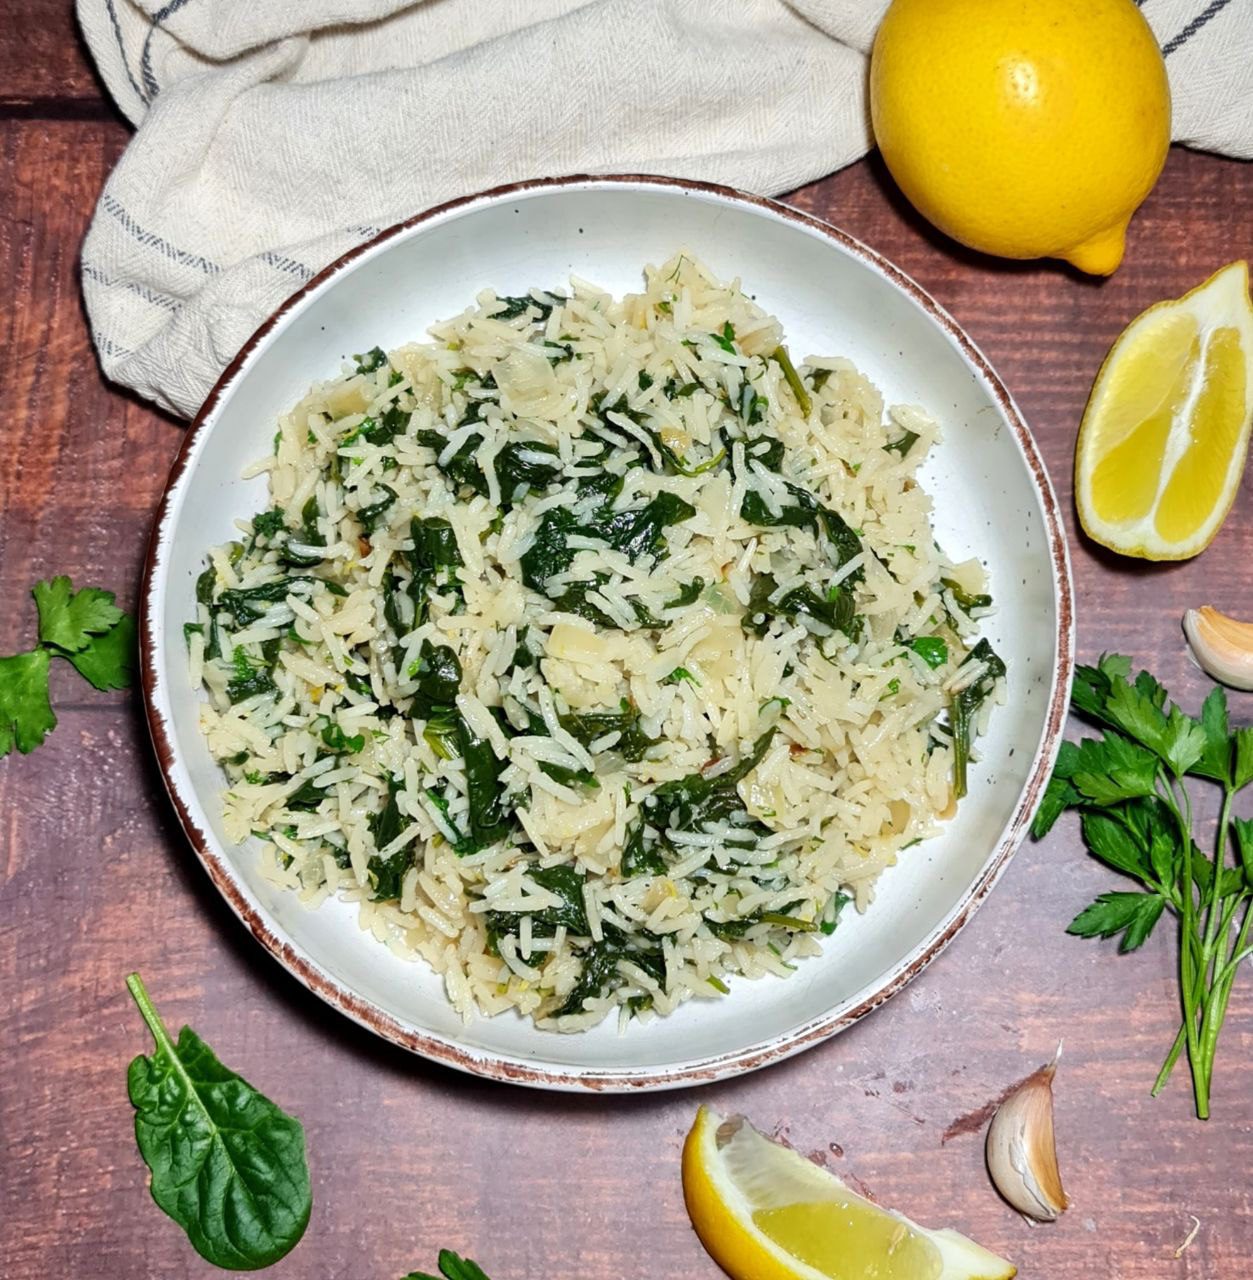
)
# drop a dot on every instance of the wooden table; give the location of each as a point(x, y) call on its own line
point(96, 879)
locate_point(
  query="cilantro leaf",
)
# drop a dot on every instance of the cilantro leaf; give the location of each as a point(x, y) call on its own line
point(69, 618)
point(108, 661)
point(26, 716)
point(1113, 913)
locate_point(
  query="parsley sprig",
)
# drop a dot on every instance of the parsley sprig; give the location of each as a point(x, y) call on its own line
point(1136, 809)
point(86, 629)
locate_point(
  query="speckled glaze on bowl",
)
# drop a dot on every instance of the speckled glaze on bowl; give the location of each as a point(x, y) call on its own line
point(834, 296)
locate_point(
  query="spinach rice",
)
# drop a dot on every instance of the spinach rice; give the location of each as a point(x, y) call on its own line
point(594, 648)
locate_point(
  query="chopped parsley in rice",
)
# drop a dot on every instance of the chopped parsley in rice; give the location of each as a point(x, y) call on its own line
point(597, 650)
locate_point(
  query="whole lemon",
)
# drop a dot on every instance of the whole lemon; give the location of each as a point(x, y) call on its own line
point(1024, 128)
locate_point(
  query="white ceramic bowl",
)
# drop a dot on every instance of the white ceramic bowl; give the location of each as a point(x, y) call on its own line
point(834, 296)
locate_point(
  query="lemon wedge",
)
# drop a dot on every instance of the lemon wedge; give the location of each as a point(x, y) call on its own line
point(766, 1213)
point(1163, 440)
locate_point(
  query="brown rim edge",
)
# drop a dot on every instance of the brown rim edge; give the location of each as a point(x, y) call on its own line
point(375, 1019)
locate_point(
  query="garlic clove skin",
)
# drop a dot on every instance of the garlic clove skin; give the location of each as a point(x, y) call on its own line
point(1022, 1150)
point(1222, 646)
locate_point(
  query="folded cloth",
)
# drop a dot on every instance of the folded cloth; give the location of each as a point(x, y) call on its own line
point(273, 135)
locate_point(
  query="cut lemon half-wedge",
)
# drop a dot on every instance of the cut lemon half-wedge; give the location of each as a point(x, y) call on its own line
point(1163, 440)
point(766, 1213)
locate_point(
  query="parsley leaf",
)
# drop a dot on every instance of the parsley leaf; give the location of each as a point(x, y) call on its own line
point(1242, 762)
point(1113, 843)
point(1242, 829)
point(69, 618)
point(1215, 761)
point(26, 716)
point(1060, 794)
point(1112, 768)
point(1131, 786)
point(1131, 914)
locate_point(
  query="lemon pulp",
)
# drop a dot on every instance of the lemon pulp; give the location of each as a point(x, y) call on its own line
point(766, 1213)
point(1163, 440)
point(1197, 482)
point(848, 1241)
point(1148, 392)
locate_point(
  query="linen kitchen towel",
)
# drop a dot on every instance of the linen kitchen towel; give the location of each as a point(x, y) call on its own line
point(273, 135)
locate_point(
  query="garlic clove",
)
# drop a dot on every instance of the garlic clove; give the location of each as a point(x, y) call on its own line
point(1222, 646)
point(1022, 1149)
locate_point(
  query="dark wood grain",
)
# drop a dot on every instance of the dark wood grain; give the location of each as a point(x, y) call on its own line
point(42, 64)
point(95, 879)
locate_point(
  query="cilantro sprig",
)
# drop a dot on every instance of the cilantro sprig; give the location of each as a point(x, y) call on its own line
point(1132, 792)
point(86, 629)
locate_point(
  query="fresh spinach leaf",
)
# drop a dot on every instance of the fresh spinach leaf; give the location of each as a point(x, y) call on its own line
point(227, 1164)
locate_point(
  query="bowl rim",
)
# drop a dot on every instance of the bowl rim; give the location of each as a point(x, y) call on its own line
point(493, 1064)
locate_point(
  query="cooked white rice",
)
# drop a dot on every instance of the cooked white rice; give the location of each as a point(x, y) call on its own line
point(519, 578)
